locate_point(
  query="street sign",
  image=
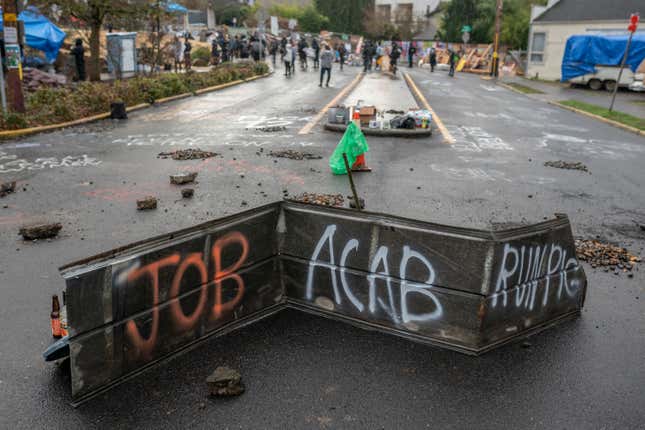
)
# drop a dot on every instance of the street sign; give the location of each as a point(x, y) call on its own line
point(11, 35)
point(466, 29)
point(633, 22)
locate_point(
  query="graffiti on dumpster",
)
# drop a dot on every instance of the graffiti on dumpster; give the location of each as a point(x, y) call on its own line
point(525, 268)
point(210, 283)
point(379, 270)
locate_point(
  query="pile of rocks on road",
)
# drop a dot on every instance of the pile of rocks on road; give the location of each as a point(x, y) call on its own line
point(187, 154)
point(569, 165)
point(320, 199)
point(294, 155)
point(7, 188)
point(606, 255)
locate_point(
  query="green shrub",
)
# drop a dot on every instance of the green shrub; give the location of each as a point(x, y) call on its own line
point(55, 105)
point(203, 54)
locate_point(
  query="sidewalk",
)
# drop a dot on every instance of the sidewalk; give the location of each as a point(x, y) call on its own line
point(555, 91)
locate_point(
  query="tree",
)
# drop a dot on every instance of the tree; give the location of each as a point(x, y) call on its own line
point(347, 14)
point(480, 15)
point(93, 14)
point(311, 21)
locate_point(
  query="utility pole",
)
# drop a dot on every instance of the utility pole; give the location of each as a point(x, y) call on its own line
point(494, 69)
point(633, 25)
point(13, 57)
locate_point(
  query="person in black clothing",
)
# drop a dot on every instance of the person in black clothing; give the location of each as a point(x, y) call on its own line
point(187, 49)
point(433, 59)
point(395, 53)
point(273, 50)
point(316, 49)
point(366, 53)
point(302, 45)
point(79, 59)
point(342, 53)
point(411, 51)
point(453, 61)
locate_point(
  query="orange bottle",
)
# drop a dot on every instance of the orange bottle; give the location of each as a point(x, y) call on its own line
point(55, 317)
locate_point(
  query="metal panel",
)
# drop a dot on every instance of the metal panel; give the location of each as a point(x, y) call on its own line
point(464, 289)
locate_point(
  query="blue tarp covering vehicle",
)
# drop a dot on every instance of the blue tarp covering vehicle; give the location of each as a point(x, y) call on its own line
point(584, 52)
point(40, 33)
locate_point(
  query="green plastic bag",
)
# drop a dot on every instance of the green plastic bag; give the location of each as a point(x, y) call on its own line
point(353, 144)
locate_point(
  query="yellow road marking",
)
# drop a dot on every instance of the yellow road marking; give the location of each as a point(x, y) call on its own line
point(435, 118)
point(311, 124)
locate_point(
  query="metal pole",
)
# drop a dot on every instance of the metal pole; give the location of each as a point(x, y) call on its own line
point(12, 45)
point(351, 182)
point(2, 89)
point(620, 73)
point(494, 70)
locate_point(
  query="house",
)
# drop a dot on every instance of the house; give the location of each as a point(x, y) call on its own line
point(422, 14)
point(553, 24)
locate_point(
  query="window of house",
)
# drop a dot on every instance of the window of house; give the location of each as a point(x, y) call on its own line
point(404, 12)
point(537, 47)
point(384, 11)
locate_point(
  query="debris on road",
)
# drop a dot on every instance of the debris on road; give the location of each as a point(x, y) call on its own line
point(352, 204)
point(7, 188)
point(40, 231)
point(294, 155)
point(600, 254)
point(573, 165)
point(147, 203)
point(187, 193)
point(187, 154)
point(183, 178)
point(321, 199)
point(272, 129)
point(224, 382)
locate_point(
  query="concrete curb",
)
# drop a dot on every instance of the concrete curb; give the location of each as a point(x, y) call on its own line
point(600, 118)
point(392, 132)
point(578, 111)
point(11, 134)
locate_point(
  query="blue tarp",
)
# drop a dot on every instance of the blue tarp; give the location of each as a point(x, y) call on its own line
point(176, 8)
point(40, 33)
point(584, 52)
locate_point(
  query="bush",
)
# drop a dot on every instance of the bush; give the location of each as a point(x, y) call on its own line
point(203, 54)
point(55, 105)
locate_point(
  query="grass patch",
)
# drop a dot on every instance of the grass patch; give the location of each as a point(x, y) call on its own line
point(47, 106)
point(524, 89)
point(638, 102)
point(620, 117)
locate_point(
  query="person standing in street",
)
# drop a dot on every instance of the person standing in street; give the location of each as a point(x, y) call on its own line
point(79, 59)
point(273, 50)
point(411, 51)
point(316, 47)
point(187, 48)
point(326, 61)
point(453, 61)
point(433, 59)
point(342, 53)
point(288, 59)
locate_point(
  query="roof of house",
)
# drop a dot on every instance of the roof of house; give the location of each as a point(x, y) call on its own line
point(592, 10)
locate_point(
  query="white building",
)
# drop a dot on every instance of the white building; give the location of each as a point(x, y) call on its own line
point(426, 12)
point(553, 24)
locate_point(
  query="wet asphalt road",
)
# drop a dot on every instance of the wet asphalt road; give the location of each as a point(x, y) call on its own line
point(303, 371)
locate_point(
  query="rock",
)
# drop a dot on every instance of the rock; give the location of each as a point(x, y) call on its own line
point(40, 231)
point(271, 129)
point(183, 178)
point(187, 193)
point(147, 203)
point(224, 382)
point(352, 204)
point(7, 188)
